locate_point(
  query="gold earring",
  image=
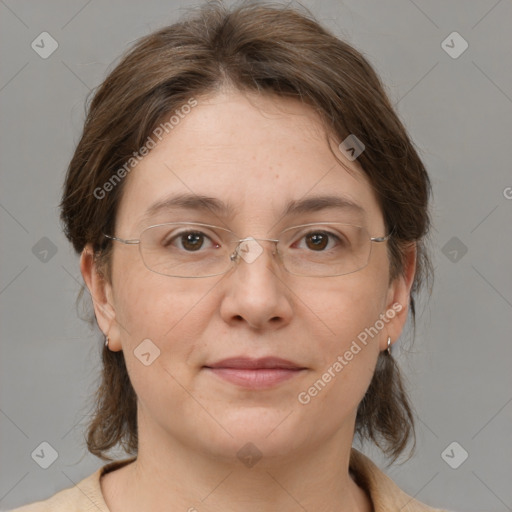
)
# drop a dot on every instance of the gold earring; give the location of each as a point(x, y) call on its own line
point(389, 345)
point(106, 341)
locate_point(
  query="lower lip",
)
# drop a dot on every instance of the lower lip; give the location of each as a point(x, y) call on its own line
point(255, 378)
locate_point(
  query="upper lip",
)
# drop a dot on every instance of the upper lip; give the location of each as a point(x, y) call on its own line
point(251, 363)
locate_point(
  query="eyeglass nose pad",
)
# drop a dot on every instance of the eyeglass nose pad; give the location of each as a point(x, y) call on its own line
point(235, 255)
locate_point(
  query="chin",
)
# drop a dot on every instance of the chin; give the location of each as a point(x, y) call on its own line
point(272, 432)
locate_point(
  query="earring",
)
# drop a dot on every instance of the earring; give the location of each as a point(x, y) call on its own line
point(106, 341)
point(389, 345)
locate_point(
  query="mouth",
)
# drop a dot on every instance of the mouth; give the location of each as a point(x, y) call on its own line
point(255, 373)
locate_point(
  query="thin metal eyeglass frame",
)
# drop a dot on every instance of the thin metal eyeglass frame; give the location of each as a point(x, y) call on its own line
point(234, 255)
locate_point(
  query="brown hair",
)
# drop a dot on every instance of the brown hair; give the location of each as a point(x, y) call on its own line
point(269, 49)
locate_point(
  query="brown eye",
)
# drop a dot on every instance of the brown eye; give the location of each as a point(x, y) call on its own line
point(317, 241)
point(187, 241)
point(192, 241)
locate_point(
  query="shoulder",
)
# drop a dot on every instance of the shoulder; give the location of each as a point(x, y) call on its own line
point(384, 493)
point(85, 496)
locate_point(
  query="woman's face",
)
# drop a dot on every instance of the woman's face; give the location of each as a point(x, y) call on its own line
point(254, 155)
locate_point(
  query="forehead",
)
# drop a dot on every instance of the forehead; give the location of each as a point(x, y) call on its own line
point(247, 158)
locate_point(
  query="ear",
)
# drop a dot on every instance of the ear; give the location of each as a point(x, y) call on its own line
point(398, 297)
point(102, 297)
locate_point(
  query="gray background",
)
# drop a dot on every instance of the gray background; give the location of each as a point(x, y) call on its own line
point(458, 111)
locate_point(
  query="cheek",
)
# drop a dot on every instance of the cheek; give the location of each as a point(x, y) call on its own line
point(346, 306)
point(151, 305)
point(346, 333)
point(171, 313)
point(163, 310)
point(169, 316)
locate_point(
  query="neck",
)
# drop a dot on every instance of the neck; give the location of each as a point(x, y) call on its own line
point(169, 475)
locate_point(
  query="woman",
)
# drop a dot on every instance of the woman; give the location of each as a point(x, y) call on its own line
point(251, 217)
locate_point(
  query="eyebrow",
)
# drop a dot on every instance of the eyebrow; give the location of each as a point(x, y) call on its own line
point(203, 203)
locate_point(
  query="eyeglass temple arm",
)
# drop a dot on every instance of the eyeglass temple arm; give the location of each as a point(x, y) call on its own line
point(121, 239)
point(383, 238)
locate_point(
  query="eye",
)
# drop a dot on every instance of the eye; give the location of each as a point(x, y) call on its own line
point(189, 241)
point(318, 241)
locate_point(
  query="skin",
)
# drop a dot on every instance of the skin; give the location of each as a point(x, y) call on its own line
point(255, 153)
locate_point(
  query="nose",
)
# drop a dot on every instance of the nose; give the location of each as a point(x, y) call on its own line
point(255, 291)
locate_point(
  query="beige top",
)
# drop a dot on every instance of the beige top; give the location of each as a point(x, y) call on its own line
point(385, 495)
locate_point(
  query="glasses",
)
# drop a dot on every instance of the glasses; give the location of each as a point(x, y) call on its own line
point(193, 250)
